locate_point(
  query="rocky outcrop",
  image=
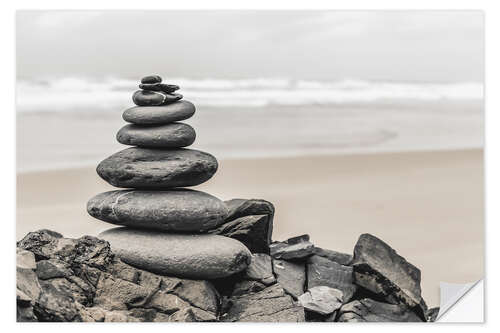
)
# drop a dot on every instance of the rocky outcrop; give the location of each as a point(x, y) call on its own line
point(64, 279)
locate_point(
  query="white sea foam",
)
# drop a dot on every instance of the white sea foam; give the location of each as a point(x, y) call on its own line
point(73, 94)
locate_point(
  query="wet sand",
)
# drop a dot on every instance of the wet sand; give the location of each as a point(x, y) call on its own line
point(429, 206)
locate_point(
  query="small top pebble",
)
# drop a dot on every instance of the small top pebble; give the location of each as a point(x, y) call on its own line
point(151, 79)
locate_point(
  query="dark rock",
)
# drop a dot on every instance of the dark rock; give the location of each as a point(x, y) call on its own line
point(341, 258)
point(167, 88)
point(297, 239)
point(174, 135)
point(28, 288)
point(172, 210)
point(247, 287)
point(191, 256)
point(154, 98)
point(368, 310)
point(41, 243)
point(24, 312)
point(148, 98)
point(150, 79)
point(324, 272)
point(157, 168)
point(251, 230)
point(291, 276)
point(281, 250)
point(260, 269)
point(159, 115)
point(52, 268)
point(378, 268)
point(243, 207)
point(322, 299)
point(431, 314)
point(84, 282)
point(269, 305)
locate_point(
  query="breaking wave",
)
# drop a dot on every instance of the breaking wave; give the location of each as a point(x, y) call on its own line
point(73, 94)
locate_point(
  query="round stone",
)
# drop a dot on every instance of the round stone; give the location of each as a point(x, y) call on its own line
point(174, 135)
point(154, 98)
point(180, 210)
point(168, 88)
point(188, 256)
point(150, 79)
point(157, 168)
point(157, 115)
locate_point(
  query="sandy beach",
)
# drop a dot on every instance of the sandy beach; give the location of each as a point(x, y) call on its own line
point(427, 205)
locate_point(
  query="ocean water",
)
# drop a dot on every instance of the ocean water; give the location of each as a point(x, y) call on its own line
point(72, 121)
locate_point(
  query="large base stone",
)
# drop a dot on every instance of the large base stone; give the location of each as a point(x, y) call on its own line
point(178, 210)
point(190, 256)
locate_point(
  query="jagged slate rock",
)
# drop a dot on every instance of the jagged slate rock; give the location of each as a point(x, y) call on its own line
point(25, 259)
point(28, 287)
point(199, 293)
point(24, 312)
point(46, 244)
point(260, 269)
point(167, 88)
point(341, 258)
point(245, 207)
point(172, 210)
point(247, 287)
point(147, 168)
point(154, 98)
point(281, 250)
point(174, 135)
point(41, 243)
point(322, 299)
point(378, 268)
point(52, 268)
point(269, 305)
point(151, 79)
point(291, 276)
point(191, 314)
point(158, 115)
point(431, 314)
point(298, 239)
point(324, 272)
point(368, 310)
point(251, 230)
point(190, 256)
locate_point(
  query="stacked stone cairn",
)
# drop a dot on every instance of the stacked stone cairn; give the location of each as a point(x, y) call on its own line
point(184, 255)
point(166, 225)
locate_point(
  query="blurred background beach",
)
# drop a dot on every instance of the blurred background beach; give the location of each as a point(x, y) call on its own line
point(349, 122)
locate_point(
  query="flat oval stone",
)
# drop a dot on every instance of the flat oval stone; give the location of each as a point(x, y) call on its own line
point(188, 256)
point(174, 135)
point(157, 168)
point(151, 79)
point(180, 210)
point(149, 98)
point(158, 115)
point(168, 88)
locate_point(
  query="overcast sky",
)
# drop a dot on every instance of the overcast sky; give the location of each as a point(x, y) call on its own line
point(315, 45)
